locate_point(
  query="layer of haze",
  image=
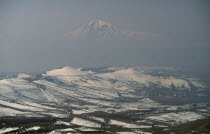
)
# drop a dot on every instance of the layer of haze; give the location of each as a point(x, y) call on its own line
point(34, 34)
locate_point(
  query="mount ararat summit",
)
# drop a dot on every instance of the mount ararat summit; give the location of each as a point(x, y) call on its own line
point(105, 30)
point(96, 28)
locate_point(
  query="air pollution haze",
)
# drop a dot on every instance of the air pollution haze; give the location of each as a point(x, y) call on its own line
point(105, 66)
point(38, 35)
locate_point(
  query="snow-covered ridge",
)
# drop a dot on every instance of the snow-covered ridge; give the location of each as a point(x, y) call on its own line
point(65, 71)
point(126, 74)
point(90, 90)
point(132, 74)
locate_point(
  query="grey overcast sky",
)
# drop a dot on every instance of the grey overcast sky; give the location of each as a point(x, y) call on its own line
point(34, 34)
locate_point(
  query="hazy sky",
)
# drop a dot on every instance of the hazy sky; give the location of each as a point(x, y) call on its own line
point(34, 34)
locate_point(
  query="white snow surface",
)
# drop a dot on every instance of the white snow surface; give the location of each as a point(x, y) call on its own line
point(47, 95)
point(20, 76)
point(6, 130)
point(63, 123)
point(33, 128)
point(86, 123)
point(131, 74)
point(127, 125)
point(177, 118)
point(65, 71)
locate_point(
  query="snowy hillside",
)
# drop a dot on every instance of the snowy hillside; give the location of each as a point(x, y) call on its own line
point(65, 91)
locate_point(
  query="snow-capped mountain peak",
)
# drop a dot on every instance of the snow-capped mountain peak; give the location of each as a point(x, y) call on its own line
point(98, 23)
point(105, 30)
point(96, 28)
point(99, 27)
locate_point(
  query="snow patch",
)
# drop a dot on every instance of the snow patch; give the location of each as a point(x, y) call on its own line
point(6, 130)
point(33, 128)
point(21, 76)
point(86, 123)
point(127, 125)
point(177, 118)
